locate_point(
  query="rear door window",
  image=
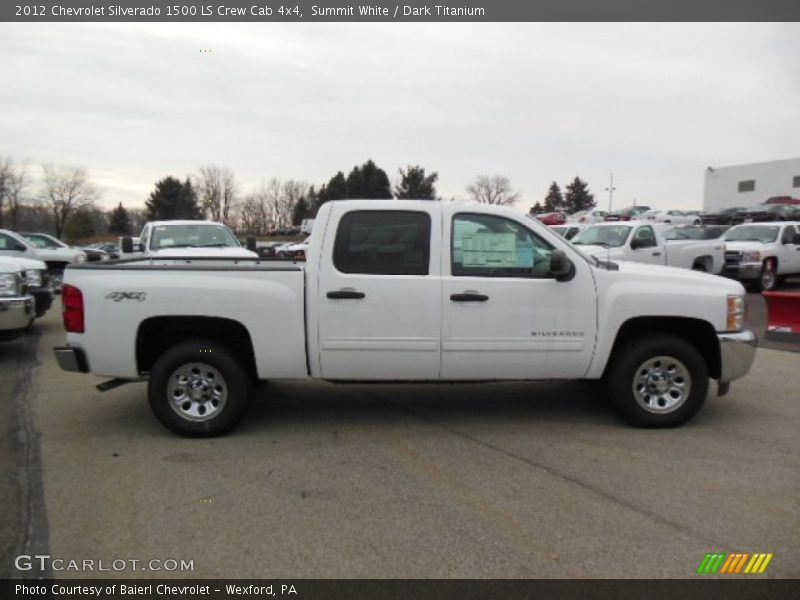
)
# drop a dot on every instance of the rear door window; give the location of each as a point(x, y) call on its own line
point(383, 242)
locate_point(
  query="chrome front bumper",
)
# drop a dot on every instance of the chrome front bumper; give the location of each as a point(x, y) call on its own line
point(736, 352)
point(15, 313)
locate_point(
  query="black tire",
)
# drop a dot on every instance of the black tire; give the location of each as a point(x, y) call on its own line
point(629, 367)
point(191, 418)
point(768, 278)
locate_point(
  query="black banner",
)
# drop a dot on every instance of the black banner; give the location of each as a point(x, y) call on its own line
point(391, 10)
point(734, 588)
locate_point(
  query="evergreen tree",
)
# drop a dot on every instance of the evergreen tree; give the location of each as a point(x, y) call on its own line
point(414, 184)
point(119, 222)
point(172, 200)
point(537, 209)
point(368, 181)
point(554, 201)
point(337, 187)
point(80, 225)
point(578, 196)
point(300, 211)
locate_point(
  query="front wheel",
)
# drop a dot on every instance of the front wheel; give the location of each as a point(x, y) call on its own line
point(658, 381)
point(768, 280)
point(198, 389)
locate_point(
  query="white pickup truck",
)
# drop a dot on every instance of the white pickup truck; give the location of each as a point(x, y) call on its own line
point(406, 291)
point(56, 258)
point(645, 243)
point(184, 238)
point(762, 253)
point(16, 306)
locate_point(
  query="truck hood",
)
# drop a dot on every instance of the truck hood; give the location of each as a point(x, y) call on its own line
point(201, 252)
point(658, 274)
point(745, 246)
point(18, 263)
point(601, 252)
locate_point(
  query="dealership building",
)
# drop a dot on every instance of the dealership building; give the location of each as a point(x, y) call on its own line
point(748, 185)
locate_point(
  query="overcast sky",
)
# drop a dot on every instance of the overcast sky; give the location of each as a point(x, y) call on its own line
point(654, 103)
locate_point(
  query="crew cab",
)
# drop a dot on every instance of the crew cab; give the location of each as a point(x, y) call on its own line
point(642, 242)
point(56, 258)
point(762, 254)
point(16, 306)
point(185, 238)
point(406, 291)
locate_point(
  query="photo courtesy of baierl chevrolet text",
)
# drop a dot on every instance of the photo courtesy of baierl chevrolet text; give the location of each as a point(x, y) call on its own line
point(321, 300)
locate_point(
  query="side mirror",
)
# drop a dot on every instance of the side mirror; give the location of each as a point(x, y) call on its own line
point(796, 238)
point(250, 243)
point(561, 267)
point(19, 247)
point(127, 245)
point(636, 243)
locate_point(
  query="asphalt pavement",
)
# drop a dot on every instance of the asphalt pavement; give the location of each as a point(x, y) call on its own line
point(485, 480)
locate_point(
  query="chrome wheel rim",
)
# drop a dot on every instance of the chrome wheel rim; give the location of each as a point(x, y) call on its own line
point(661, 384)
point(197, 392)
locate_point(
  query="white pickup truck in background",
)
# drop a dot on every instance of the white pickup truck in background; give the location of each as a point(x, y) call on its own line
point(762, 253)
point(184, 238)
point(406, 291)
point(641, 242)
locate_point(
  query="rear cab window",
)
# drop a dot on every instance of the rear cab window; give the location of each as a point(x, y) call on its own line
point(383, 242)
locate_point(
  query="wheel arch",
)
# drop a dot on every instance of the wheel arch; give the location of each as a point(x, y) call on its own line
point(697, 332)
point(155, 335)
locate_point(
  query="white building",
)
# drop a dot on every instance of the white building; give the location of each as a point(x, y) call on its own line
point(748, 185)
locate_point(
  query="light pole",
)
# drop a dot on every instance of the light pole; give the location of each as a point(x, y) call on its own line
point(610, 189)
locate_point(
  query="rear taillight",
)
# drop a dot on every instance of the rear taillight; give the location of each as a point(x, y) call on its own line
point(72, 303)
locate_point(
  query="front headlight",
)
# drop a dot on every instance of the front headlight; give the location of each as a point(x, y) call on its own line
point(754, 256)
point(10, 284)
point(737, 307)
point(79, 258)
point(34, 278)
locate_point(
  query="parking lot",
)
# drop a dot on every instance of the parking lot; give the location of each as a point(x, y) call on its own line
point(469, 480)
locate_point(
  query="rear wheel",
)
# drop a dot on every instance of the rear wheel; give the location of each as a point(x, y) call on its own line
point(199, 388)
point(658, 381)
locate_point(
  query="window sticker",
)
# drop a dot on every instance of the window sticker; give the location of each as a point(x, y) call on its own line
point(489, 250)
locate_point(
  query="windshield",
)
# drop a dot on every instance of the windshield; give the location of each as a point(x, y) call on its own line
point(610, 237)
point(41, 241)
point(201, 235)
point(751, 233)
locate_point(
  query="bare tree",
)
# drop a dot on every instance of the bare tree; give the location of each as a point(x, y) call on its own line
point(217, 191)
point(6, 170)
point(253, 214)
point(66, 190)
point(493, 190)
point(17, 184)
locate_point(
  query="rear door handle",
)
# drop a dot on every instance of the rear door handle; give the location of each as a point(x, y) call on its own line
point(346, 295)
point(656, 253)
point(469, 297)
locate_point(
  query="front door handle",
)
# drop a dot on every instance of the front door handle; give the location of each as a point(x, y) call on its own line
point(469, 297)
point(656, 253)
point(346, 295)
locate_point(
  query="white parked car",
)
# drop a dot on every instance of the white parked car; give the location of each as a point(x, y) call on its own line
point(762, 253)
point(16, 306)
point(642, 242)
point(406, 291)
point(57, 259)
point(184, 239)
point(674, 217)
point(594, 215)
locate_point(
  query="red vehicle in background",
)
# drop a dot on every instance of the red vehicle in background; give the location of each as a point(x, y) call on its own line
point(552, 218)
point(782, 200)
